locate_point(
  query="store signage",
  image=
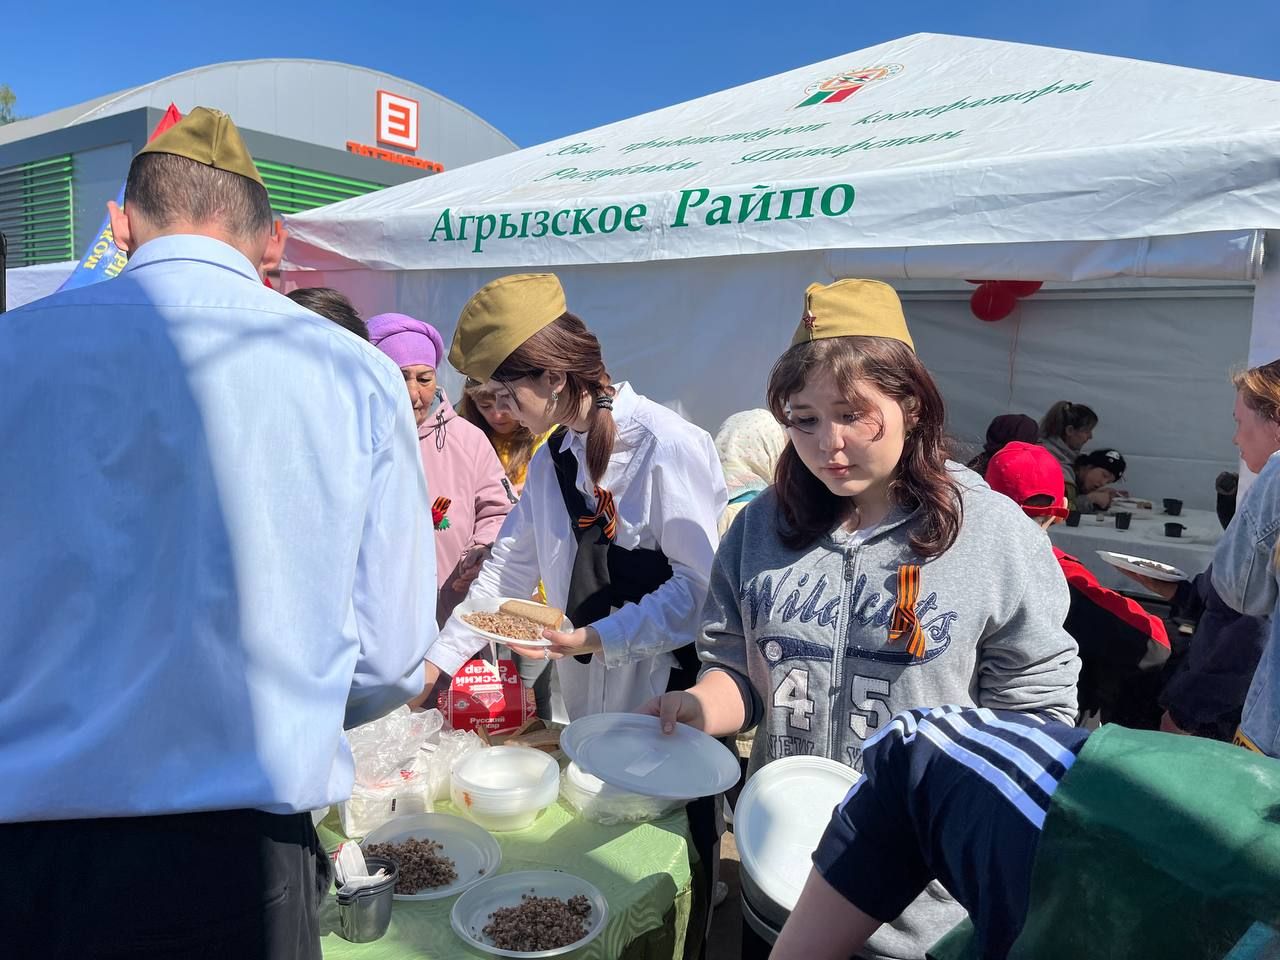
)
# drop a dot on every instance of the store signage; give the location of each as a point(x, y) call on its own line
point(377, 153)
point(397, 126)
point(397, 120)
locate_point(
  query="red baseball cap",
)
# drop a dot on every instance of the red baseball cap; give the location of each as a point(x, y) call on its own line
point(1024, 470)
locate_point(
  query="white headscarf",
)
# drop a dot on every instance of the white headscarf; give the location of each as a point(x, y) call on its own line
point(749, 445)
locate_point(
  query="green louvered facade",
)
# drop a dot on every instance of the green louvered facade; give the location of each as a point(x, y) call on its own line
point(294, 189)
point(37, 211)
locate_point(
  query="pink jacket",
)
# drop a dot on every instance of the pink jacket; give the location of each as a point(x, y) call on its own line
point(461, 466)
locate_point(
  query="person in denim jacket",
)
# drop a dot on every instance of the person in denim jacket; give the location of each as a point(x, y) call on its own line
point(1208, 675)
point(1244, 566)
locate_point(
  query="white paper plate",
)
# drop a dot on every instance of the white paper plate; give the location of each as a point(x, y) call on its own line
point(1147, 568)
point(630, 751)
point(470, 915)
point(774, 843)
point(1191, 534)
point(472, 849)
point(1132, 503)
point(491, 605)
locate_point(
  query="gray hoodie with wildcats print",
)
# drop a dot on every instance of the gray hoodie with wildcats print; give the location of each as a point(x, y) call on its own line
point(806, 636)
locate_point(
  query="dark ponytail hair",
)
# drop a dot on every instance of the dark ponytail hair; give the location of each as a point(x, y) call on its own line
point(1064, 414)
point(566, 346)
point(810, 510)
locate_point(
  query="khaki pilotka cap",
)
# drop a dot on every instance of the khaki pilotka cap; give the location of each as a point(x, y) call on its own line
point(209, 137)
point(852, 308)
point(502, 316)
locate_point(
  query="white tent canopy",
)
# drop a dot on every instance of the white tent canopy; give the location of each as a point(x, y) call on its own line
point(922, 142)
point(686, 236)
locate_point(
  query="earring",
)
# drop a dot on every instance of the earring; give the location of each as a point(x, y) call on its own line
point(555, 395)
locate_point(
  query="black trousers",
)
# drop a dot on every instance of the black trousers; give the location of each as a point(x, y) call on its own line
point(236, 884)
point(704, 831)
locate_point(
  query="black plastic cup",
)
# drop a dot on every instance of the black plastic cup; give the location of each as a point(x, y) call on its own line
point(1172, 507)
point(1122, 520)
point(1073, 518)
point(1174, 529)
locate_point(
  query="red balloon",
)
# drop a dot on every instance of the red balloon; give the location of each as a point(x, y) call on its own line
point(1022, 288)
point(992, 302)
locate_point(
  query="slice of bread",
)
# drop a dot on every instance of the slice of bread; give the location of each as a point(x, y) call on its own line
point(548, 741)
point(549, 617)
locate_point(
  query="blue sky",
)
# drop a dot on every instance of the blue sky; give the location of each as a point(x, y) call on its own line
point(543, 70)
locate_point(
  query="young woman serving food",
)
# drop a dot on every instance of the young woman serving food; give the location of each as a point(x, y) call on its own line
point(618, 515)
point(875, 576)
point(515, 447)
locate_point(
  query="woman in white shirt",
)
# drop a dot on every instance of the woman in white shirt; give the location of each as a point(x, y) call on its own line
point(619, 510)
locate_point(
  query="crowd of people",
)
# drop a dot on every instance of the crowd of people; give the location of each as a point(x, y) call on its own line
point(1063, 431)
point(247, 524)
point(1134, 670)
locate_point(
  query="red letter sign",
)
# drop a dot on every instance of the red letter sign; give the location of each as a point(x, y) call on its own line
point(397, 120)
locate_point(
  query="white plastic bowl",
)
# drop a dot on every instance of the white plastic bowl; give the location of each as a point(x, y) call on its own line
point(505, 788)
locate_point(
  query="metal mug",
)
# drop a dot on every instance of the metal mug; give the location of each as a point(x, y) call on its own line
point(1174, 529)
point(365, 914)
point(1123, 520)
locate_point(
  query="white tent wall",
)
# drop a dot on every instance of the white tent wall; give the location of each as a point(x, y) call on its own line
point(1152, 357)
point(24, 284)
point(1154, 363)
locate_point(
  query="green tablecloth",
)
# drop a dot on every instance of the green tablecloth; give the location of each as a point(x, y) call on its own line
point(643, 871)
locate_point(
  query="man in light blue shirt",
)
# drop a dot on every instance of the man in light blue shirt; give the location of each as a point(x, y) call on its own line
point(216, 551)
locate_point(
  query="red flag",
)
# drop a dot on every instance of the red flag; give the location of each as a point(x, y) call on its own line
point(171, 116)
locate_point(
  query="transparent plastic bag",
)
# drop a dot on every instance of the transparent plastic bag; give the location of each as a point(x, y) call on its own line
point(383, 748)
point(387, 783)
point(435, 762)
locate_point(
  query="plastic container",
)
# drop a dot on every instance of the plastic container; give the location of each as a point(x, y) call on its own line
point(505, 788)
point(598, 802)
point(365, 914)
point(758, 923)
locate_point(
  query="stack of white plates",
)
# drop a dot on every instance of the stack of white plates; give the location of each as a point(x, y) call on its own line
point(780, 817)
